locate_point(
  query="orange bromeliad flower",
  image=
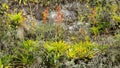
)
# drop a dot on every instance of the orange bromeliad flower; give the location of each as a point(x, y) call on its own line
point(45, 14)
point(93, 15)
point(59, 15)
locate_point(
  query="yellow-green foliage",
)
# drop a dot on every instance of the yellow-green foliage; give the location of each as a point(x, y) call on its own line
point(26, 1)
point(5, 60)
point(30, 45)
point(82, 50)
point(25, 51)
point(55, 51)
point(21, 1)
point(15, 19)
point(95, 30)
point(5, 6)
point(116, 18)
point(59, 48)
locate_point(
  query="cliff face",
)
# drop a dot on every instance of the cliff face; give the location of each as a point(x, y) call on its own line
point(73, 12)
point(60, 33)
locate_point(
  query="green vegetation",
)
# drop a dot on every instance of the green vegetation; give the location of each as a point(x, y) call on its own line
point(59, 34)
point(15, 19)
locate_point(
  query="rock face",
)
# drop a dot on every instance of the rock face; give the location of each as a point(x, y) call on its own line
point(20, 33)
point(70, 9)
point(69, 12)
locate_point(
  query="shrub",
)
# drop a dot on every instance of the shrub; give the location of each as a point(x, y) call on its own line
point(55, 51)
point(5, 60)
point(25, 52)
point(82, 50)
point(15, 19)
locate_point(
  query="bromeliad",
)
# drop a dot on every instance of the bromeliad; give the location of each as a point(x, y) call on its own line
point(45, 14)
point(59, 15)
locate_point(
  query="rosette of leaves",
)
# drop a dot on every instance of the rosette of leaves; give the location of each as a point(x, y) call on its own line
point(5, 60)
point(55, 51)
point(25, 52)
point(82, 50)
point(15, 19)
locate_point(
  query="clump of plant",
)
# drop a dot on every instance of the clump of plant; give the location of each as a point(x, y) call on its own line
point(95, 30)
point(82, 50)
point(115, 14)
point(25, 2)
point(25, 52)
point(45, 31)
point(99, 28)
point(5, 60)
point(55, 51)
point(3, 8)
point(15, 19)
point(49, 32)
point(21, 1)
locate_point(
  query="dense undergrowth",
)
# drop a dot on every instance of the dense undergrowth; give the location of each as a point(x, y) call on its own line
point(28, 43)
